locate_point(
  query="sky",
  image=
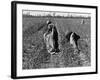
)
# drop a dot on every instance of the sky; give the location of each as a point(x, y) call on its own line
point(44, 13)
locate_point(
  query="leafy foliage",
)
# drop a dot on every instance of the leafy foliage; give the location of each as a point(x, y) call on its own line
point(35, 55)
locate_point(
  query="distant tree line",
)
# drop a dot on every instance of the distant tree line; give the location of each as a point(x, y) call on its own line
point(58, 16)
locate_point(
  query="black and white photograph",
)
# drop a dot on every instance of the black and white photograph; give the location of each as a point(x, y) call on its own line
point(55, 39)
